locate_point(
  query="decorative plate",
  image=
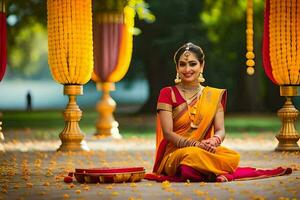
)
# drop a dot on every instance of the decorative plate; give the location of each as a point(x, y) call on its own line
point(109, 175)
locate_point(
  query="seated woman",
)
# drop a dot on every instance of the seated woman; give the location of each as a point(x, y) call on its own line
point(190, 128)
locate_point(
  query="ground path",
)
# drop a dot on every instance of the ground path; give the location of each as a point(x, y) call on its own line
point(33, 170)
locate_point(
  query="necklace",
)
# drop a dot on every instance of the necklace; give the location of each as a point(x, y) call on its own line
point(190, 91)
point(192, 110)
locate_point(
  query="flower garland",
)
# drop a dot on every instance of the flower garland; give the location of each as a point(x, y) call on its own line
point(125, 48)
point(249, 39)
point(284, 33)
point(70, 41)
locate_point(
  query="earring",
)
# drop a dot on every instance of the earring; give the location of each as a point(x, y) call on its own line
point(200, 78)
point(177, 80)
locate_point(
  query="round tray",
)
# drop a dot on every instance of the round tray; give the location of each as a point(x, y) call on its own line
point(109, 175)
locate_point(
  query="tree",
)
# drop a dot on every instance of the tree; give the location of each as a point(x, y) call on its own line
point(219, 28)
point(176, 22)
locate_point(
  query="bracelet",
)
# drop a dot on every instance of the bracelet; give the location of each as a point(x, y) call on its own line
point(185, 142)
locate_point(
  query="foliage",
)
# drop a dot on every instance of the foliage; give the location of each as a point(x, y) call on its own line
point(140, 6)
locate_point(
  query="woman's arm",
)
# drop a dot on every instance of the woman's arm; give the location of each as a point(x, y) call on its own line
point(219, 125)
point(219, 135)
point(166, 122)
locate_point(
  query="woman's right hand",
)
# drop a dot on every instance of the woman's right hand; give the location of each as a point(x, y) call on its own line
point(206, 146)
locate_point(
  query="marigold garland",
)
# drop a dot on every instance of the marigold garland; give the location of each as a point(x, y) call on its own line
point(126, 46)
point(249, 39)
point(284, 41)
point(125, 49)
point(70, 40)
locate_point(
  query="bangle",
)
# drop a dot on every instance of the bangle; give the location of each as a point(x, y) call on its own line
point(178, 143)
point(185, 142)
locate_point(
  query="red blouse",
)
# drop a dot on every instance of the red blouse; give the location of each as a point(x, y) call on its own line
point(165, 96)
point(167, 101)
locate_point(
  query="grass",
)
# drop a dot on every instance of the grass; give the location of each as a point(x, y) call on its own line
point(48, 124)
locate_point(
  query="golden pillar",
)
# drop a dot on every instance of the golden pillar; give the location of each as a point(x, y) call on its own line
point(106, 124)
point(288, 135)
point(72, 138)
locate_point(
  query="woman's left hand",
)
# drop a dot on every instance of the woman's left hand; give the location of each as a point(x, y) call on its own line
point(211, 142)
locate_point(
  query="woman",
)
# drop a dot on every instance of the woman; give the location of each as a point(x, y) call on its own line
point(190, 128)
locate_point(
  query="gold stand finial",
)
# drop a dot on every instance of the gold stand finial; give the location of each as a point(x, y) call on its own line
point(72, 137)
point(106, 124)
point(288, 135)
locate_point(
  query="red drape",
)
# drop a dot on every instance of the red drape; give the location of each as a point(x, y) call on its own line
point(266, 44)
point(107, 39)
point(3, 44)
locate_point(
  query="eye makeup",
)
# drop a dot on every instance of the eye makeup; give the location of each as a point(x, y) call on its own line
point(190, 63)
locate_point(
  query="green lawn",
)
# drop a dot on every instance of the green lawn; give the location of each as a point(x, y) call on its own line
point(48, 124)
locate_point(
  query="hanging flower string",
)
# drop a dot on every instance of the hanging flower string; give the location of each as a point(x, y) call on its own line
point(126, 46)
point(249, 39)
point(284, 38)
point(70, 40)
point(119, 68)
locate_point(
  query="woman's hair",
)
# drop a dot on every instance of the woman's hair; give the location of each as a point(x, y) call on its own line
point(192, 48)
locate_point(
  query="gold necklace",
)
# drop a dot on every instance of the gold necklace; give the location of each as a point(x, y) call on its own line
point(192, 111)
point(190, 91)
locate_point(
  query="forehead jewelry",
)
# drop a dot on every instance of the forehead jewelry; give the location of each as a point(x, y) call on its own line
point(186, 53)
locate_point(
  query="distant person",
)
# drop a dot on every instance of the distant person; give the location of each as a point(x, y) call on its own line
point(190, 129)
point(28, 102)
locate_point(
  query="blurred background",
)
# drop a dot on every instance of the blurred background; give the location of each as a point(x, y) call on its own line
point(218, 26)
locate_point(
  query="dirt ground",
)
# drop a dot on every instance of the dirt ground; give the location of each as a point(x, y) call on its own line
point(34, 170)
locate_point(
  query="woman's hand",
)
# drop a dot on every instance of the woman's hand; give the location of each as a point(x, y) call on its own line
point(211, 142)
point(206, 146)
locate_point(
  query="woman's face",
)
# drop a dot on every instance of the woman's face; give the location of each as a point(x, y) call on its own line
point(189, 67)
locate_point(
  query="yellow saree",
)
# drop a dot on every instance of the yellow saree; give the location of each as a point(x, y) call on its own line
point(169, 158)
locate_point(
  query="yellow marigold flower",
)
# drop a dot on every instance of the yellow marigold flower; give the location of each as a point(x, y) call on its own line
point(165, 184)
point(250, 63)
point(78, 191)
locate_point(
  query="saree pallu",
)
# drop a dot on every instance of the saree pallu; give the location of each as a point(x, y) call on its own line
point(194, 163)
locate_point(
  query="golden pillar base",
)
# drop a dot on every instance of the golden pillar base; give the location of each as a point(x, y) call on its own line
point(106, 124)
point(288, 135)
point(72, 137)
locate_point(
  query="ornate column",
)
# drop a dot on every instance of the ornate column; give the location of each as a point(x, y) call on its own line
point(288, 135)
point(281, 60)
point(112, 40)
point(71, 60)
point(72, 137)
point(106, 124)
